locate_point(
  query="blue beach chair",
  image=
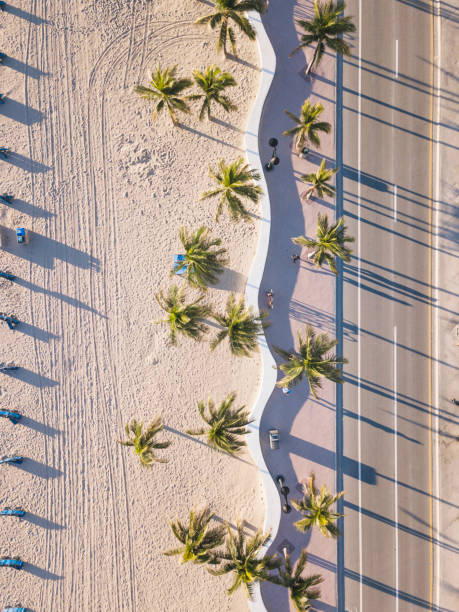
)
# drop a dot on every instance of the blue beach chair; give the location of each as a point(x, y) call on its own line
point(16, 459)
point(7, 275)
point(10, 368)
point(14, 609)
point(9, 562)
point(12, 512)
point(6, 198)
point(2, 5)
point(178, 261)
point(4, 152)
point(14, 417)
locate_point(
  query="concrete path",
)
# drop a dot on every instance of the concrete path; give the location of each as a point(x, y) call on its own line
point(302, 294)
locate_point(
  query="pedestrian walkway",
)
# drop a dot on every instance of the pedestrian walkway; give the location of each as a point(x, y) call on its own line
point(302, 294)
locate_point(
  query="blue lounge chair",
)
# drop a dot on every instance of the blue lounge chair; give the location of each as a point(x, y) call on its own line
point(14, 417)
point(2, 4)
point(12, 512)
point(5, 198)
point(13, 459)
point(178, 261)
point(7, 275)
point(9, 562)
point(4, 152)
point(8, 368)
point(14, 609)
point(2, 96)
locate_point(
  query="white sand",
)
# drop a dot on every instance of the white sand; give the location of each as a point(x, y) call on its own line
point(104, 196)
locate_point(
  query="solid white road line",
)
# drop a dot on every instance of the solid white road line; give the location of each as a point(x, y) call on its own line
point(395, 202)
point(396, 471)
point(359, 353)
point(396, 59)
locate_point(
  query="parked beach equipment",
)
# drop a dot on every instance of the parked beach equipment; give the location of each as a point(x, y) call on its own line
point(4, 151)
point(7, 275)
point(12, 512)
point(15, 459)
point(5, 198)
point(11, 562)
point(14, 417)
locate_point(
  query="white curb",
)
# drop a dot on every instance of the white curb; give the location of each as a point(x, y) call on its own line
point(269, 372)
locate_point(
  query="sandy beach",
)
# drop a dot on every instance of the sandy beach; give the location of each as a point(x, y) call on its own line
point(103, 191)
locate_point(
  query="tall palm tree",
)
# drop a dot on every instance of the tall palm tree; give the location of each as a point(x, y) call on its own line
point(183, 318)
point(313, 360)
point(318, 182)
point(301, 588)
point(315, 506)
point(213, 83)
point(144, 444)
point(232, 11)
point(330, 243)
point(241, 558)
point(241, 326)
point(235, 181)
point(203, 261)
point(225, 425)
point(307, 125)
point(325, 29)
point(197, 539)
point(166, 90)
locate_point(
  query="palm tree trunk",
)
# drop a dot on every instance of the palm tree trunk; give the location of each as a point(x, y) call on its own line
point(311, 63)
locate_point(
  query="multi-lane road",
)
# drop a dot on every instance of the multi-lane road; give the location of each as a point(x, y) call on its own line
point(387, 554)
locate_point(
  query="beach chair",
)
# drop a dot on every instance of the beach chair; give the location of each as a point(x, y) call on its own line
point(2, 98)
point(14, 609)
point(4, 152)
point(7, 275)
point(178, 262)
point(14, 417)
point(4, 368)
point(16, 459)
point(12, 512)
point(2, 5)
point(10, 562)
point(6, 198)
point(2, 57)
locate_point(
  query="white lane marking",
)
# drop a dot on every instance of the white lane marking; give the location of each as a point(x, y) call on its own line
point(359, 355)
point(436, 220)
point(396, 59)
point(395, 202)
point(396, 472)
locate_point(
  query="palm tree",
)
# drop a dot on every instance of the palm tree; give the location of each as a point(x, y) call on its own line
point(197, 539)
point(307, 125)
point(166, 90)
point(144, 444)
point(235, 181)
point(183, 318)
point(315, 507)
point(325, 29)
point(213, 83)
point(234, 10)
point(313, 361)
point(203, 262)
point(242, 558)
point(301, 589)
point(330, 243)
point(319, 182)
point(241, 326)
point(225, 425)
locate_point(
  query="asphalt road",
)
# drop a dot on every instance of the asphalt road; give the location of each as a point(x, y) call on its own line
point(386, 460)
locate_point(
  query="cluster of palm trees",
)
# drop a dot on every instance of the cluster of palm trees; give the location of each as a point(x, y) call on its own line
point(223, 430)
point(242, 556)
point(222, 549)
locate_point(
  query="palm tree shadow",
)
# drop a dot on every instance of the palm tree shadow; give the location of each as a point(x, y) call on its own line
point(208, 136)
point(226, 125)
point(238, 60)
